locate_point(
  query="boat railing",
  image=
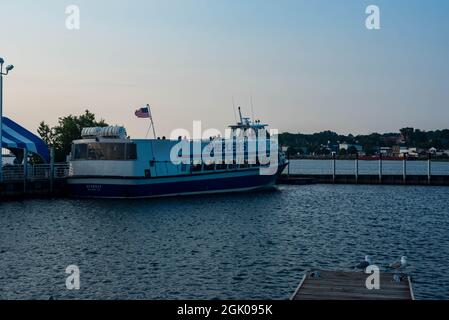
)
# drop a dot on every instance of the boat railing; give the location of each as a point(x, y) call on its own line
point(35, 172)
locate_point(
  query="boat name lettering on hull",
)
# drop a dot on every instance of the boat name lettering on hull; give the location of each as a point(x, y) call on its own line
point(93, 187)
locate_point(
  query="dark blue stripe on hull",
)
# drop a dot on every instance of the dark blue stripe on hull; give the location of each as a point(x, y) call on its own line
point(161, 189)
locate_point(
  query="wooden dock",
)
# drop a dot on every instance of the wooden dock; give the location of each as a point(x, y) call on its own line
point(331, 175)
point(30, 189)
point(40, 180)
point(340, 285)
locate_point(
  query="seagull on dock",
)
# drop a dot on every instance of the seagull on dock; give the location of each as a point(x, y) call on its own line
point(400, 264)
point(364, 264)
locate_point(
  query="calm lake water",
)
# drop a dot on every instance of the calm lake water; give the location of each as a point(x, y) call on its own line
point(239, 246)
point(367, 167)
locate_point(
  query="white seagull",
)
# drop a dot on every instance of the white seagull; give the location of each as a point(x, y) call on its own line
point(400, 264)
point(364, 264)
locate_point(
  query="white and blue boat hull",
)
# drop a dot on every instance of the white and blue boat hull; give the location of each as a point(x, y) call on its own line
point(202, 183)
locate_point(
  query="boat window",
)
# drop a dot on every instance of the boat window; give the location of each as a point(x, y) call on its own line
point(80, 151)
point(131, 151)
point(113, 151)
point(95, 152)
point(105, 151)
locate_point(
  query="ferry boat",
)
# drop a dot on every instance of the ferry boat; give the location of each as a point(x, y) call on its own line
point(106, 163)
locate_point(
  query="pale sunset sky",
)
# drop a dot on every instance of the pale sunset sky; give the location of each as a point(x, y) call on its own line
point(310, 65)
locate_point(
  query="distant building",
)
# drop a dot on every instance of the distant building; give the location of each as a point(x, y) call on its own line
point(343, 146)
point(399, 151)
point(393, 139)
point(347, 146)
point(422, 152)
point(438, 153)
point(386, 151)
point(412, 152)
point(396, 150)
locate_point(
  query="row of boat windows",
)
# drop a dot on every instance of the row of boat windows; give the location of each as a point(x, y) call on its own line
point(118, 151)
point(213, 167)
point(104, 151)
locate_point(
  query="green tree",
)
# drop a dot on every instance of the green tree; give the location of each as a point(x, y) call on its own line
point(68, 129)
point(292, 151)
point(45, 133)
point(407, 133)
point(352, 150)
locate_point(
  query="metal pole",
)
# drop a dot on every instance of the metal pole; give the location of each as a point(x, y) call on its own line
point(334, 170)
point(380, 168)
point(151, 122)
point(1, 124)
point(25, 169)
point(8, 69)
point(429, 168)
point(357, 167)
point(52, 167)
point(404, 168)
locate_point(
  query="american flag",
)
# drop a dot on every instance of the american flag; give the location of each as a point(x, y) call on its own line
point(143, 112)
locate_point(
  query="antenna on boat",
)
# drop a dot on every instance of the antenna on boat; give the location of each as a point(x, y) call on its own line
point(252, 108)
point(240, 113)
point(233, 106)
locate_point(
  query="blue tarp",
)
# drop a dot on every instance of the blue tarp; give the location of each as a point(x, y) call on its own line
point(14, 136)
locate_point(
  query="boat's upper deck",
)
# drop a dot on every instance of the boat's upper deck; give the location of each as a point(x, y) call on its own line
point(108, 151)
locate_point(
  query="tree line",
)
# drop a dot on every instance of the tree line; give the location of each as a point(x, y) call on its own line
point(319, 143)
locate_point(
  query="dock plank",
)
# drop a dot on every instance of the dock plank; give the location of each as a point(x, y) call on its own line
point(340, 285)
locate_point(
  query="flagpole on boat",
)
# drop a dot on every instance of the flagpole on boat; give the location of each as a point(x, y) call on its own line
point(151, 122)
